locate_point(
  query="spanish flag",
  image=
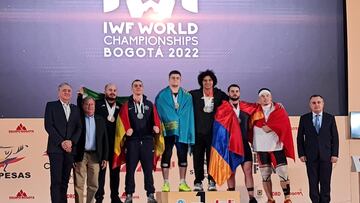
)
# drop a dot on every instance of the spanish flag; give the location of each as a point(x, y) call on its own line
point(159, 141)
point(122, 125)
point(227, 150)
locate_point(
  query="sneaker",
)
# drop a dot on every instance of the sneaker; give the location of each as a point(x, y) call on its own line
point(151, 198)
point(252, 200)
point(128, 198)
point(166, 187)
point(183, 187)
point(212, 186)
point(198, 187)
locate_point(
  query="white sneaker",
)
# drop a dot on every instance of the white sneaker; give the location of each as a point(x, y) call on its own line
point(198, 187)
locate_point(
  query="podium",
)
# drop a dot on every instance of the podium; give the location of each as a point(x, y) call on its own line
point(355, 166)
point(198, 197)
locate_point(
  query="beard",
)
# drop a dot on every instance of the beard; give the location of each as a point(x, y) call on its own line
point(234, 98)
point(110, 98)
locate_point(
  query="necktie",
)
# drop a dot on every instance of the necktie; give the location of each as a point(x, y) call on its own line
point(67, 111)
point(317, 123)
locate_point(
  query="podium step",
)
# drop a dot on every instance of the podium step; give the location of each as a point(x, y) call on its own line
point(198, 197)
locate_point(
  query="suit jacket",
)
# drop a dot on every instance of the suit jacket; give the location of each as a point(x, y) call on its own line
point(59, 129)
point(318, 146)
point(203, 120)
point(102, 146)
point(101, 110)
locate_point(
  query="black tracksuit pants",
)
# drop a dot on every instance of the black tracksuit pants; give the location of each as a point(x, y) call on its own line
point(143, 151)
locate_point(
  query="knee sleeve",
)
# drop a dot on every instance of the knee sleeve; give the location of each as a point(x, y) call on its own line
point(282, 172)
point(286, 189)
point(182, 160)
point(181, 149)
point(182, 164)
point(165, 160)
point(266, 173)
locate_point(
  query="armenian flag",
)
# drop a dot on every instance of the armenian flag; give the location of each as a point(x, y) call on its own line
point(227, 150)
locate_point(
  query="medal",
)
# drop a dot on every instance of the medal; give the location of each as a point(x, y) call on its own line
point(111, 111)
point(208, 104)
point(175, 98)
point(111, 118)
point(208, 109)
point(140, 116)
point(140, 109)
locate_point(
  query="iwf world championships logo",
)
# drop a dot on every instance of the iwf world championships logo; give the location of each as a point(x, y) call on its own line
point(154, 31)
point(163, 8)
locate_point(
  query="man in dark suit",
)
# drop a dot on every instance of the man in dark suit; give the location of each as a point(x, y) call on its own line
point(108, 108)
point(63, 124)
point(205, 101)
point(92, 152)
point(318, 147)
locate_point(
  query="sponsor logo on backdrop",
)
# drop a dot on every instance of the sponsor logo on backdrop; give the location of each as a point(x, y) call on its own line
point(21, 129)
point(135, 196)
point(225, 201)
point(70, 196)
point(260, 193)
point(47, 163)
point(153, 31)
point(10, 155)
point(21, 195)
point(293, 193)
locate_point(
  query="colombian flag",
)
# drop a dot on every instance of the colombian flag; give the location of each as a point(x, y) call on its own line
point(227, 150)
point(122, 125)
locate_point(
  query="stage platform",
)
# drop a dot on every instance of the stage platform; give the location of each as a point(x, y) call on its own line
point(198, 197)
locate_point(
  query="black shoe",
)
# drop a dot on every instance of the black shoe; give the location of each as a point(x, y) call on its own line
point(128, 198)
point(151, 198)
point(252, 200)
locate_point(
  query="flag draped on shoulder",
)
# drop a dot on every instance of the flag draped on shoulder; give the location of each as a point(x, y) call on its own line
point(278, 122)
point(178, 118)
point(159, 141)
point(122, 125)
point(98, 96)
point(227, 150)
